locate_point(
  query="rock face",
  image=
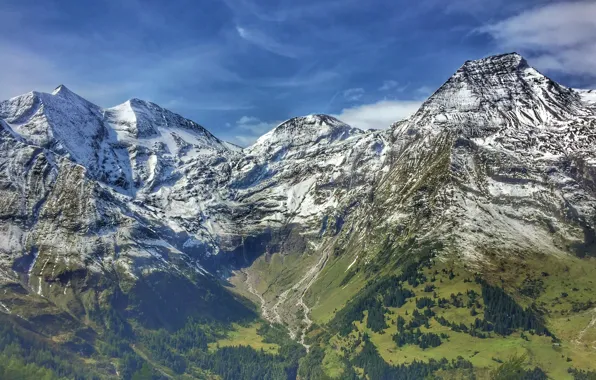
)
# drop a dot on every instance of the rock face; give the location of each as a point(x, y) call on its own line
point(499, 158)
point(306, 174)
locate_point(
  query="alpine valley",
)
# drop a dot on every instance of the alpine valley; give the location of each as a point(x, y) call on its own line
point(458, 243)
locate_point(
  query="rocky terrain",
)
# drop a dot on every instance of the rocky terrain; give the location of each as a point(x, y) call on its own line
point(131, 204)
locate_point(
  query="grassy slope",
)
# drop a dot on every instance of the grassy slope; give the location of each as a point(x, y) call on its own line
point(328, 294)
point(576, 277)
point(245, 336)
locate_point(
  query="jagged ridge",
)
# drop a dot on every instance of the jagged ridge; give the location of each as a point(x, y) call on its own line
point(499, 156)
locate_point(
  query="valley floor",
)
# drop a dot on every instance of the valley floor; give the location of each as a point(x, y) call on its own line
point(558, 291)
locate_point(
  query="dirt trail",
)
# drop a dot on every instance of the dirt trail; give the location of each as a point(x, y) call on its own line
point(307, 321)
point(280, 300)
point(314, 274)
point(264, 311)
point(275, 313)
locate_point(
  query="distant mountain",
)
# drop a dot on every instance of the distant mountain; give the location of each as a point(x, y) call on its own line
point(137, 217)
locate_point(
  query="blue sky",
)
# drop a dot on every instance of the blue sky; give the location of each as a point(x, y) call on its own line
point(240, 66)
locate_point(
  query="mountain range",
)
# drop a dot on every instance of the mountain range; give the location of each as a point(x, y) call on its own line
point(119, 222)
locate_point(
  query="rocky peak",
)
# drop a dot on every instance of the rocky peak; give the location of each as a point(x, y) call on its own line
point(313, 124)
point(497, 92)
point(62, 90)
point(302, 132)
point(495, 65)
point(143, 119)
point(61, 121)
point(135, 118)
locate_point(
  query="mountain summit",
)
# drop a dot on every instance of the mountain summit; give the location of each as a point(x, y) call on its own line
point(497, 92)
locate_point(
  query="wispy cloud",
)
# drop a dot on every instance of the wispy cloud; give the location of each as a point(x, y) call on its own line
point(424, 90)
point(353, 94)
point(388, 85)
point(557, 37)
point(393, 86)
point(110, 76)
point(290, 11)
point(266, 42)
point(378, 115)
point(477, 8)
point(205, 105)
point(308, 79)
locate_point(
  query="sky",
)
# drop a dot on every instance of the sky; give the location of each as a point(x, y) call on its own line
point(239, 67)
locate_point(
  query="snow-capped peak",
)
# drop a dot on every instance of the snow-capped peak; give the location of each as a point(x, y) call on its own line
point(503, 62)
point(62, 89)
point(303, 131)
point(144, 119)
point(501, 91)
point(588, 96)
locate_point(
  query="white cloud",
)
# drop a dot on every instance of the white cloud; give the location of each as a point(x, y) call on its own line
point(243, 140)
point(250, 128)
point(353, 94)
point(247, 120)
point(255, 125)
point(557, 36)
point(378, 115)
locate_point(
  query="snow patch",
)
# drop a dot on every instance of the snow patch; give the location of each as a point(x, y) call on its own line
point(353, 262)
